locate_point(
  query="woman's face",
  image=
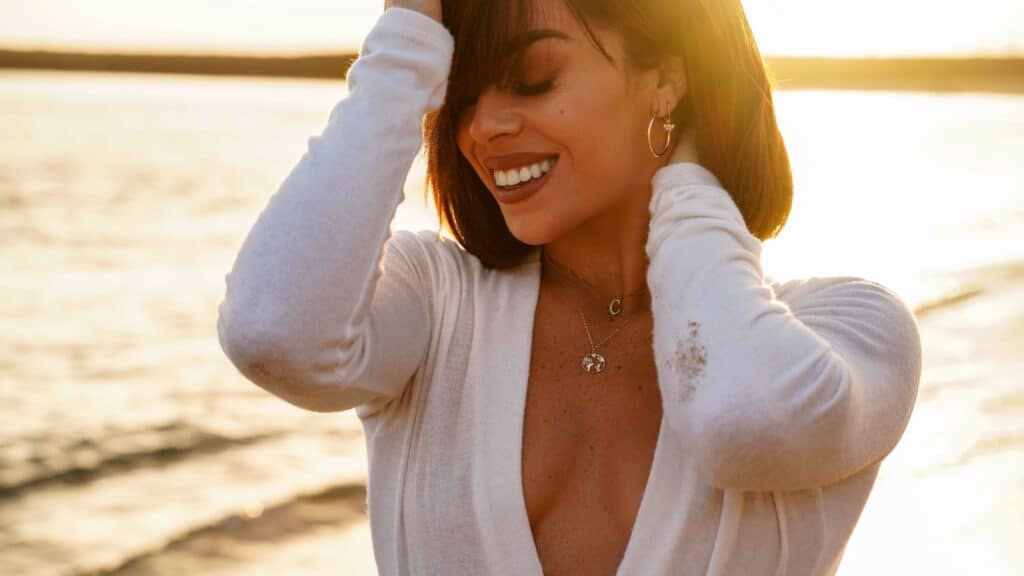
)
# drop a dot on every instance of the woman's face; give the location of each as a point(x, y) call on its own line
point(567, 101)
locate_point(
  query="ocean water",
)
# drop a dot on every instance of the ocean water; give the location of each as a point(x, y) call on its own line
point(130, 445)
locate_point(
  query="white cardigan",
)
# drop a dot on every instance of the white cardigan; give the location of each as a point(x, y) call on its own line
point(780, 399)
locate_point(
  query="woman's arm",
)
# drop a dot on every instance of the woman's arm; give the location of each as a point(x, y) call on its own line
point(769, 395)
point(324, 307)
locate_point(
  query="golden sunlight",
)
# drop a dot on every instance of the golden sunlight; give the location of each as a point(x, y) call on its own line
point(138, 156)
point(782, 27)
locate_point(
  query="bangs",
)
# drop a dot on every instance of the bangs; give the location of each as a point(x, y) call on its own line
point(489, 36)
point(727, 101)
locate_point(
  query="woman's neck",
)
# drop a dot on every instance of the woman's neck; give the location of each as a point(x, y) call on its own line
point(606, 257)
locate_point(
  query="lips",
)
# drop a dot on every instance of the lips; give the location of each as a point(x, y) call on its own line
point(520, 192)
point(518, 160)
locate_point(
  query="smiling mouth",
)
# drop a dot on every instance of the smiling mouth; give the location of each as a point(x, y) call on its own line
point(519, 192)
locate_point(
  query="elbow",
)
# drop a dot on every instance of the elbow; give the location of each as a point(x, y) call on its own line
point(244, 340)
point(266, 359)
point(252, 349)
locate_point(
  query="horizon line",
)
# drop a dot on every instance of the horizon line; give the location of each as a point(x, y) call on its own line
point(905, 73)
point(340, 52)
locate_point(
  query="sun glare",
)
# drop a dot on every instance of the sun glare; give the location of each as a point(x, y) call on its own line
point(782, 27)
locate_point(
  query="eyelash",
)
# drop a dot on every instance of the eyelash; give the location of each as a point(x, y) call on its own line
point(533, 89)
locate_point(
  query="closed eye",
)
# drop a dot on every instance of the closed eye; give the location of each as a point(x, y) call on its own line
point(533, 89)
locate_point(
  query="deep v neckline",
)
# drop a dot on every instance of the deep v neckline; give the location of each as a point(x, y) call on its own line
point(512, 538)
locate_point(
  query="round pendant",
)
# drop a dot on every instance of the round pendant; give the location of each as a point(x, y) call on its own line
point(615, 307)
point(592, 363)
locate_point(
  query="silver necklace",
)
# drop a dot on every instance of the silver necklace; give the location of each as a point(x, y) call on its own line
point(594, 362)
point(614, 306)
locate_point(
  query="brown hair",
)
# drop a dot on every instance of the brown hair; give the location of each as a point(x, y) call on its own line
point(728, 99)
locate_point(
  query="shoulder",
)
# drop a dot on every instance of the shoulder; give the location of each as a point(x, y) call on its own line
point(438, 259)
point(811, 291)
point(425, 244)
point(856, 308)
point(428, 248)
point(419, 245)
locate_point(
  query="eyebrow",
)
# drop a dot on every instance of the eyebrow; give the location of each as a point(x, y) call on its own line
point(527, 38)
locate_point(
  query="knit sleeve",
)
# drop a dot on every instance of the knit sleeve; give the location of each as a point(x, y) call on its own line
point(769, 392)
point(324, 306)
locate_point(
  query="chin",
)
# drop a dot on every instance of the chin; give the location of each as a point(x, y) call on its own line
point(531, 235)
point(534, 231)
point(528, 230)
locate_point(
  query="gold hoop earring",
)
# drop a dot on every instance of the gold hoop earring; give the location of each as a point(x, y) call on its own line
point(668, 126)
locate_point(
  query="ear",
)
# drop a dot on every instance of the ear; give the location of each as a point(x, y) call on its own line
point(671, 86)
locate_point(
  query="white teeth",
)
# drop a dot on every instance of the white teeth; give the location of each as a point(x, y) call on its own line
point(524, 174)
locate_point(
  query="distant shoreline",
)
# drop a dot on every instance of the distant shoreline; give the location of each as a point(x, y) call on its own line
point(999, 75)
point(323, 66)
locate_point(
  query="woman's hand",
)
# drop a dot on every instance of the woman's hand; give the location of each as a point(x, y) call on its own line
point(686, 148)
point(431, 8)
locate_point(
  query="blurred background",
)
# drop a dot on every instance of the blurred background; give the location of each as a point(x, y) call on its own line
point(140, 140)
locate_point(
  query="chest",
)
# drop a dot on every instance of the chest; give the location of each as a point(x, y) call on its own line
point(588, 439)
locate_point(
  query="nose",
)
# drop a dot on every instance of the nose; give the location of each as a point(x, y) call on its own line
point(493, 116)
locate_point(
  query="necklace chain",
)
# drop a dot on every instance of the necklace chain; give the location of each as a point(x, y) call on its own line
point(594, 363)
point(567, 272)
point(590, 338)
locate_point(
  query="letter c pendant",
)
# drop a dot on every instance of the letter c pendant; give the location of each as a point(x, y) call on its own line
point(615, 307)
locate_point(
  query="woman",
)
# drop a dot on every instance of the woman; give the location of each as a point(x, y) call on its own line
point(596, 378)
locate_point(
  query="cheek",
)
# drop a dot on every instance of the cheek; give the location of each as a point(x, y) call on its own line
point(465, 144)
point(462, 136)
point(601, 139)
point(462, 139)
